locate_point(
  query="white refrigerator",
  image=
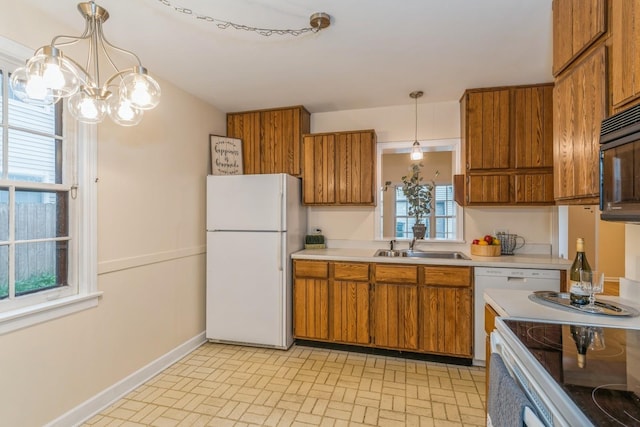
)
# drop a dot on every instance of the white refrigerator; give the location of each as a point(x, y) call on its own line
point(254, 223)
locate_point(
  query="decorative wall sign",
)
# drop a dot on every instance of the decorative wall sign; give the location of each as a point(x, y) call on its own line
point(226, 155)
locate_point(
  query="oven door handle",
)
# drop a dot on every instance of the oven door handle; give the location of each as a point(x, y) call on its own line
point(496, 342)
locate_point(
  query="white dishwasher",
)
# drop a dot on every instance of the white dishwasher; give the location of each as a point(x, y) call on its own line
point(505, 278)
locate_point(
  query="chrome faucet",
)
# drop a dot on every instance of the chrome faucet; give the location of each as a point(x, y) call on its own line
point(412, 244)
point(392, 244)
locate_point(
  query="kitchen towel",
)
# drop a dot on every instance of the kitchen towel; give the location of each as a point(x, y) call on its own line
point(506, 402)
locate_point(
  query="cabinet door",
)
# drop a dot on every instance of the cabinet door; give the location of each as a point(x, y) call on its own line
point(311, 299)
point(246, 126)
point(580, 104)
point(533, 126)
point(350, 312)
point(396, 316)
point(281, 141)
point(534, 188)
point(625, 51)
point(319, 172)
point(356, 159)
point(446, 321)
point(487, 130)
point(577, 24)
point(349, 308)
point(488, 189)
point(311, 308)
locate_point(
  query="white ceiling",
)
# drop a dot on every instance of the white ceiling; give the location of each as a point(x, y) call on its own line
point(374, 53)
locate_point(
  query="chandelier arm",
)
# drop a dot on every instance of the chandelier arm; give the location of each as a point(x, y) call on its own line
point(116, 75)
point(74, 39)
point(119, 49)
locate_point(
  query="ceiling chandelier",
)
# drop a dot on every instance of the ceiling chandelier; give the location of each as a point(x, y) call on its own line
point(416, 150)
point(49, 75)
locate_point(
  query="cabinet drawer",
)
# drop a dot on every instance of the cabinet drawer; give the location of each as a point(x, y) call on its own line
point(351, 271)
point(386, 273)
point(447, 276)
point(311, 269)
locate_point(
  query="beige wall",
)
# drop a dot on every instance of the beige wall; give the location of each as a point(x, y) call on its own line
point(632, 251)
point(435, 121)
point(151, 207)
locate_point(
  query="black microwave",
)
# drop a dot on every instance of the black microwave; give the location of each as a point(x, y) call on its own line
point(620, 167)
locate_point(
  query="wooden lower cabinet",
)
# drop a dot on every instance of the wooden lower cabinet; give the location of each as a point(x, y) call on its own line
point(417, 308)
point(446, 321)
point(446, 311)
point(311, 300)
point(349, 308)
point(396, 316)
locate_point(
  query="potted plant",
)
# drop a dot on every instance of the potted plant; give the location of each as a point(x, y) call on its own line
point(419, 196)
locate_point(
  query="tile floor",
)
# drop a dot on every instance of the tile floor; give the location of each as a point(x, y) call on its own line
point(226, 385)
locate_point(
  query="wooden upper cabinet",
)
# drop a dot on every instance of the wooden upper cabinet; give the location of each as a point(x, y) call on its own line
point(580, 104)
point(319, 169)
point(533, 126)
point(487, 131)
point(508, 145)
point(577, 24)
point(625, 51)
point(271, 139)
point(339, 168)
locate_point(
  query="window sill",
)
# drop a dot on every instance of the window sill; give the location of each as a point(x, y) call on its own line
point(39, 313)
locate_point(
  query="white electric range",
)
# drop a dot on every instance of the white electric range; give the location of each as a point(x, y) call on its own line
point(541, 348)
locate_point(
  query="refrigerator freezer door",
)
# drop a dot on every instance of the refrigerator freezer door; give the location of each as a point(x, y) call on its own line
point(246, 202)
point(246, 288)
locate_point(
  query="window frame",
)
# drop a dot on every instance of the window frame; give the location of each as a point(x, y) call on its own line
point(447, 144)
point(430, 219)
point(82, 292)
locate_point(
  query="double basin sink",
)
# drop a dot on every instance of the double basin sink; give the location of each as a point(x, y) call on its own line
point(405, 253)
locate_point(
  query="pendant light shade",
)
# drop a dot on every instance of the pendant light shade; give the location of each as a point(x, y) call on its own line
point(416, 150)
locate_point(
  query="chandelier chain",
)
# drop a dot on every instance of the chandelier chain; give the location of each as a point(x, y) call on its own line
point(223, 25)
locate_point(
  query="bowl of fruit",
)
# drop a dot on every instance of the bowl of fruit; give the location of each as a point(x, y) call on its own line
point(486, 246)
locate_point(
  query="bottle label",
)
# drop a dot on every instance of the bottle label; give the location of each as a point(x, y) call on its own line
point(578, 294)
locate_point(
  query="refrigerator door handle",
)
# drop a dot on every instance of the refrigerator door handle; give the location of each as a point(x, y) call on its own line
point(280, 249)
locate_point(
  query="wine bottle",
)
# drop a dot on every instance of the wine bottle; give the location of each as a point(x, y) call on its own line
point(582, 337)
point(578, 295)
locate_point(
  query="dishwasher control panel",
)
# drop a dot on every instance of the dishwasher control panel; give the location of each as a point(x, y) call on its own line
point(517, 272)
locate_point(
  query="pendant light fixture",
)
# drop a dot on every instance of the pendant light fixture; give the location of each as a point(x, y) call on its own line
point(416, 150)
point(49, 76)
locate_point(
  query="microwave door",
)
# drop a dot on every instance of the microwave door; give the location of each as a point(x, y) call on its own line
point(620, 182)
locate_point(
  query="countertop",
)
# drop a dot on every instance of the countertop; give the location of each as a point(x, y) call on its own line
point(516, 303)
point(367, 255)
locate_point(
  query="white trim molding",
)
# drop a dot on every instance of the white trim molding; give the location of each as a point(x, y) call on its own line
point(102, 400)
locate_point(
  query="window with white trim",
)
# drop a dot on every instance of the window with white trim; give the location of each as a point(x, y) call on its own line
point(46, 204)
point(441, 222)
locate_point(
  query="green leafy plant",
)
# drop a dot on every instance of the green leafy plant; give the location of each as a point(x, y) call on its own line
point(30, 284)
point(418, 193)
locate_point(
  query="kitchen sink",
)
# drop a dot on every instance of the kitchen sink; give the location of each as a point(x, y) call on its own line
point(391, 253)
point(421, 254)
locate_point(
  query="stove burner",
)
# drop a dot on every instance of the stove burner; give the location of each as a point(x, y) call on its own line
point(543, 338)
point(624, 404)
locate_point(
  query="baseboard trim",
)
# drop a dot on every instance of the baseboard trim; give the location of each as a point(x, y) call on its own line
point(97, 403)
